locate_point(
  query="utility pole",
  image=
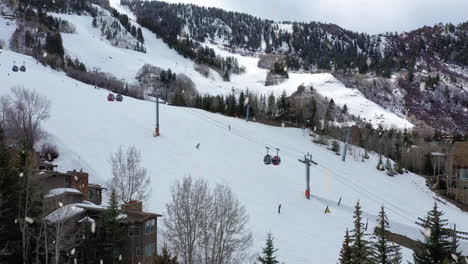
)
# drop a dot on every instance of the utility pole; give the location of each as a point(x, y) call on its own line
point(156, 130)
point(247, 105)
point(308, 161)
point(167, 85)
point(348, 135)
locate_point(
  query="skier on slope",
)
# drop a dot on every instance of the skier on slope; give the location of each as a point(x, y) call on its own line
point(279, 209)
point(198, 146)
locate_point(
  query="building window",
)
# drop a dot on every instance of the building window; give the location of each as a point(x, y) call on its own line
point(463, 174)
point(134, 231)
point(138, 251)
point(150, 250)
point(150, 226)
point(91, 194)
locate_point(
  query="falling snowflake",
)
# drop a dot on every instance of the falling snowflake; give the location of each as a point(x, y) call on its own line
point(101, 261)
point(427, 232)
point(60, 204)
point(72, 252)
point(246, 38)
point(120, 257)
point(455, 257)
point(422, 86)
point(76, 178)
point(21, 175)
point(93, 227)
point(29, 220)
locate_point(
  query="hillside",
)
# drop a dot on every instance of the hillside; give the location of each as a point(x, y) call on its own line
point(427, 66)
point(96, 53)
point(87, 129)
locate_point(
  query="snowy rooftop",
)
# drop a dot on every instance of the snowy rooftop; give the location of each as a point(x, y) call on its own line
point(59, 191)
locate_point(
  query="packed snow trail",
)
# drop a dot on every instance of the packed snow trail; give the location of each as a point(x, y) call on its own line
point(87, 129)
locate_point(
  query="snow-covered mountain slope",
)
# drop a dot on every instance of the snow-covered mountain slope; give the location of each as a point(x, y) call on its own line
point(88, 129)
point(90, 47)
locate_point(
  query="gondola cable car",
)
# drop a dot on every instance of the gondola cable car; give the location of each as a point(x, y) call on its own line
point(276, 159)
point(267, 158)
point(23, 68)
point(110, 97)
point(15, 68)
point(119, 98)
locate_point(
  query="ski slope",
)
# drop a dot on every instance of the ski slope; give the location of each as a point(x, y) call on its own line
point(95, 52)
point(87, 129)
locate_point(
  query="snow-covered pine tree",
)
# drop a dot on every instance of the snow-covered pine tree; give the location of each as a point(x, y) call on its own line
point(346, 251)
point(437, 246)
point(361, 250)
point(389, 168)
point(268, 256)
point(384, 252)
point(380, 165)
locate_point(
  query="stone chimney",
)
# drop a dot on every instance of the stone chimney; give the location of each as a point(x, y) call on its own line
point(133, 206)
point(79, 181)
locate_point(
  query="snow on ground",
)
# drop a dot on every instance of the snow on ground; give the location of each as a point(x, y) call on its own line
point(91, 48)
point(7, 27)
point(83, 124)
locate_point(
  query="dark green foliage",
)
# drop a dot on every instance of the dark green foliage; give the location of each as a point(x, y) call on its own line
point(346, 252)
point(360, 245)
point(384, 252)
point(111, 233)
point(54, 44)
point(438, 244)
point(336, 147)
point(380, 165)
point(283, 106)
point(268, 256)
point(10, 235)
point(410, 76)
point(329, 115)
point(280, 69)
point(125, 21)
point(165, 258)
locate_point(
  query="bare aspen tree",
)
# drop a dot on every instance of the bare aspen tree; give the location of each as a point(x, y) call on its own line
point(27, 111)
point(130, 180)
point(226, 238)
point(205, 226)
point(188, 206)
point(62, 236)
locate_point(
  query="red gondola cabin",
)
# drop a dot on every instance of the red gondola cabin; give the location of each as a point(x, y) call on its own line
point(110, 98)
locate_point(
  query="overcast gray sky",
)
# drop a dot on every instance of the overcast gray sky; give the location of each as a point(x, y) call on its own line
point(371, 16)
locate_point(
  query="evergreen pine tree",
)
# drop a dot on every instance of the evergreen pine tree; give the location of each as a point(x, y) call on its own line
point(240, 106)
point(380, 165)
point(437, 246)
point(111, 232)
point(384, 252)
point(10, 235)
point(361, 251)
point(165, 258)
point(268, 252)
point(346, 252)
